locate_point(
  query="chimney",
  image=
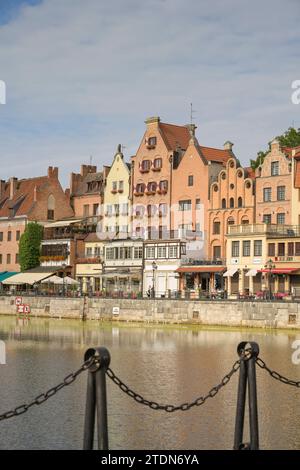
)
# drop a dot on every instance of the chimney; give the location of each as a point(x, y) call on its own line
point(53, 172)
point(2, 188)
point(152, 122)
point(86, 169)
point(12, 187)
point(68, 194)
point(192, 129)
point(228, 145)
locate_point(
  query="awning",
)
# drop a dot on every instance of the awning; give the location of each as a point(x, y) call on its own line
point(251, 272)
point(200, 269)
point(279, 270)
point(230, 272)
point(63, 223)
point(6, 275)
point(26, 278)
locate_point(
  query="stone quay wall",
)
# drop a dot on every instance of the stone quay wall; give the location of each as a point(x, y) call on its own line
point(219, 313)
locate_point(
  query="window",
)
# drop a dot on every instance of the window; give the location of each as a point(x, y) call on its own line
point(271, 249)
point(216, 227)
point(89, 251)
point(115, 186)
point(290, 249)
point(0, 259)
point(267, 218)
point(235, 249)
point(230, 221)
point(223, 203)
point(145, 165)
point(161, 252)
point(267, 194)
point(163, 209)
point(95, 209)
point(246, 248)
point(151, 187)
point(125, 252)
point(231, 202)
point(240, 202)
point(257, 247)
point(138, 252)
point(50, 214)
point(281, 249)
point(1, 236)
point(281, 218)
point(163, 185)
point(140, 188)
point(121, 186)
point(157, 164)
point(190, 180)
point(8, 259)
point(124, 208)
point(216, 252)
point(274, 168)
point(109, 253)
point(9, 236)
point(297, 249)
point(245, 221)
point(280, 193)
point(150, 252)
point(198, 204)
point(151, 141)
point(173, 251)
point(185, 205)
point(116, 209)
point(86, 210)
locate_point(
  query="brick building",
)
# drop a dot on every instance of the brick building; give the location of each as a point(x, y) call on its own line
point(39, 199)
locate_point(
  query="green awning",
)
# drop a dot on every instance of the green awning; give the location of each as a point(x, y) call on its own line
point(5, 275)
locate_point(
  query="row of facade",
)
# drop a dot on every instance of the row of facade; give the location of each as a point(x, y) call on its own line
point(178, 217)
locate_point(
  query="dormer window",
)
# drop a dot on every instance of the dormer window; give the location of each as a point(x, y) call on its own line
point(274, 168)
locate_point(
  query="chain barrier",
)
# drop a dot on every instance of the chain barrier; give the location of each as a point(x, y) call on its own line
point(68, 380)
point(171, 408)
point(275, 375)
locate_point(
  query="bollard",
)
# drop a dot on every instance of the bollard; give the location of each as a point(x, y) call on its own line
point(96, 400)
point(247, 375)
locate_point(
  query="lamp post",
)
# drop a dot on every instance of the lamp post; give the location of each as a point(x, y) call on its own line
point(154, 268)
point(270, 266)
point(64, 272)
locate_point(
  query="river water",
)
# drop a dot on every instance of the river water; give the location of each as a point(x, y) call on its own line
point(164, 364)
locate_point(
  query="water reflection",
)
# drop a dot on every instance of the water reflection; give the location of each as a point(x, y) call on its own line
point(169, 365)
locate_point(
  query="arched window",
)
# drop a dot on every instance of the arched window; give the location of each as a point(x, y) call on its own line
point(240, 202)
point(223, 203)
point(50, 207)
point(230, 221)
point(231, 202)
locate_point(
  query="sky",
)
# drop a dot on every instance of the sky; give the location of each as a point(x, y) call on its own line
point(82, 77)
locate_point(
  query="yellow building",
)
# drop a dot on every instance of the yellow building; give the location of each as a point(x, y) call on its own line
point(89, 267)
point(263, 258)
point(116, 210)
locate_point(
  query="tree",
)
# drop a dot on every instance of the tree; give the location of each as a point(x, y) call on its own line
point(290, 138)
point(29, 246)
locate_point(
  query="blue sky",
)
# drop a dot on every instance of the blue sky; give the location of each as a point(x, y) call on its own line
point(82, 77)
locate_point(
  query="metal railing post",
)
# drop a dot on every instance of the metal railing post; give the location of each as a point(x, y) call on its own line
point(96, 399)
point(248, 353)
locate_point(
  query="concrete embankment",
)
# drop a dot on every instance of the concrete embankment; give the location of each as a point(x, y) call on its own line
point(222, 313)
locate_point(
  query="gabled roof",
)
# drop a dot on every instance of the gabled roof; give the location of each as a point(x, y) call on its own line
point(215, 155)
point(23, 199)
point(175, 136)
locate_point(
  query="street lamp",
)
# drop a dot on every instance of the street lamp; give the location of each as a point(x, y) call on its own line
point(270, 266)
point(64, 272)
point(154, 268)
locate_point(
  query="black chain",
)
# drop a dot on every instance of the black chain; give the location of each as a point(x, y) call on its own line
point(171, 408)
point(275, 375)
point(68, 380)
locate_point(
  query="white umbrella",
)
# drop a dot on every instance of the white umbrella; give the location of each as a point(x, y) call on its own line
point(51, 280)
point(69, 281)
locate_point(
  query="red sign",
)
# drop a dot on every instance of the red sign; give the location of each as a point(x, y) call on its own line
point(21, 308)
point(26, 308)
point(18, 301)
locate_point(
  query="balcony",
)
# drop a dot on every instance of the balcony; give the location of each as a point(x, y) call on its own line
point(138, 193)
point(149, 192)
point(150, 146)
point(158, 168)
point(114, 191)
point(271, 230)
point(144, 170)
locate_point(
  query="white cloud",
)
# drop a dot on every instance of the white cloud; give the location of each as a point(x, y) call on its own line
point(81, 77)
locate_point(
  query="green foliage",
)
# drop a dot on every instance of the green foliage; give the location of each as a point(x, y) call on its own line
point(290, 138)
point(29, 246)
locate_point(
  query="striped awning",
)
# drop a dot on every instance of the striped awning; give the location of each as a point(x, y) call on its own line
point(230, 272)
point(26, 278)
